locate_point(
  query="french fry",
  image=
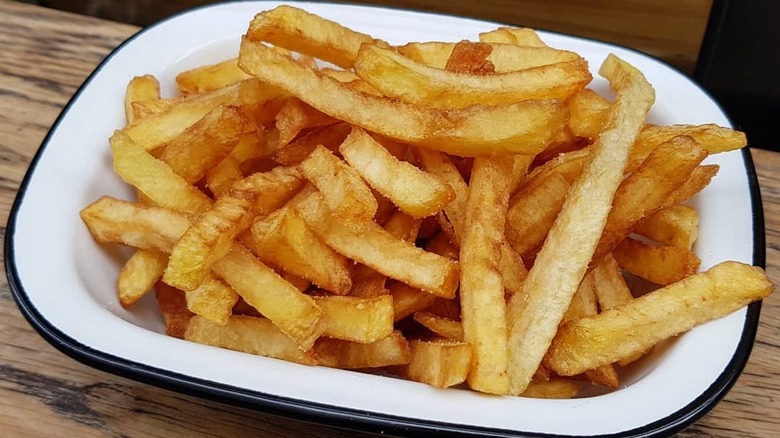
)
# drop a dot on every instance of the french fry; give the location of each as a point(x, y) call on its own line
point(140, 89)
point(632, 328)
point(443, 327)
point(156, 130)
point(521, 36)
point(504, 57)
point(406, 80)
point(139, 274)
point(206, 143)
point(210, 77)
point(363, 320)
point(173, 307)
point(221, 177)
point(524, 127)
point(213, 300)
point(390, 350)
point(330, 136)
point(564, 257)
point(408, 300)
point(674, 226)
point(588, 112)
point(154, 178)
point(141, 226)
point(483, 307)
point(294, 313)
point(271, 189)
point(367, 243)
point(210, 238)
point(302, 32)
point(552, 389)
point(699, 179)
point(295, 117)
point(656, 264)
point(470, 58)
point(250, 335)
point(415, 192)
point(440, 362)
point(341, 186)
point(532, 211)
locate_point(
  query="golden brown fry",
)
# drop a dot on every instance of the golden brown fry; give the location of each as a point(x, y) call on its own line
point(221, 177)
point(341, 186)
point(249, 335)
point(676, 226)
point(699, 179)
point(295, 117)
point(414, 191)
point(140, 89)
point(408, 300)
point(588, 112)
point(483, 307)
point(632, 328)
point(154, 178)
point(552, 389)
point(173, 306)
point(656, 264)
point(524, 127)
point(213, 300)
point(564, 257)
point(469, 57)
point(294, 313)
point(328, 136)
point(210, 77)
point(438, 362)
point(406, 80)
point(363, 320)
point(443, 327)
point(300, 31)
point(271, 189)
point(132, 224)
point(532, 211)
point(391, 350)
point(206, 143)
point(504, 57)
point(367, 243)
point(521, 36)
point(210, 238)
point(139, 274)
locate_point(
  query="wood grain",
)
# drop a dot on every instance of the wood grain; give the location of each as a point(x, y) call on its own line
point(45, 56)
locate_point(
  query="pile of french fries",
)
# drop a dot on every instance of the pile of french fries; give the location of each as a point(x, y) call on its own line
point(450, 213)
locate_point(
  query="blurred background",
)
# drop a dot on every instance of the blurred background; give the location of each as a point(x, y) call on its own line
point(731, 47)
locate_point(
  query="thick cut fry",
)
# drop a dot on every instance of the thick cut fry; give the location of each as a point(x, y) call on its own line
point(404, 79)
point(272, 189)
point(443, 327)
point(439, 362)
point(699, 179)
point(588, 112)
point(328, 136)
point(634, 327)
point(209, 239)
point(282, 239)
point(483, 307)
point(390, 350)
point(532, 211)
point(564, 257)
point(173, 306)
point(154, 178)
point(139, 275)
point(294, 313)
point(295, 117)
point(213, 300)
point(156, 130)
point(524, 127)
point(206, 143)
point(341, 186)
point(221, 177)
point(469, 57)
point(132, 224)
point(408, 300)
point(552, 389)
point(355, 319)
point(521, 36)
point(249, 335)
point(675, 226)
point(414, 191)
point(140, 89)
point(645, 191)
point(504, 57)
point(210, 77)
point(300, 31)
point(367, 243)
point(656, 264)
point(439, 164)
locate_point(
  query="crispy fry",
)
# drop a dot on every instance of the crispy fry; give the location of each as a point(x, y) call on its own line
point(271, 189)
point(402, 78)
point(521, 36)
point(140, 89)
point(390, 350)
point(295, 117)
point(675, 226)
point(438, 362)
point(213, 300)
point(408, 300)
point(139, 275)
point(173, 306)
point(523, 127)
point(634, 327)
point(328, 136)
point(415, 192)
point(552, 389)
point(564, 257)
point(210, 77)
point(657, 264)
point(504, 57)
point(363, 320)
point(532, 211)
point(443, 327)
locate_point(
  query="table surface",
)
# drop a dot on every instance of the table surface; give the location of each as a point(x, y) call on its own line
point(44, 58)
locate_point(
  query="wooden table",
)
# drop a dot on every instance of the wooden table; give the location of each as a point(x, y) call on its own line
point(45, 55)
